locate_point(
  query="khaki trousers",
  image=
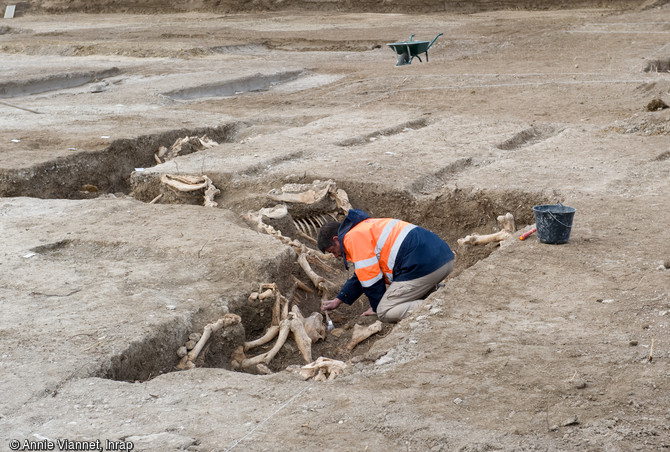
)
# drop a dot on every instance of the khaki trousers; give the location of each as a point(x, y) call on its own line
point(402, 297)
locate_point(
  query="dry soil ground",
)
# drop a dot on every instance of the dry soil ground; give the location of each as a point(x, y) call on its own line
point(528, 347)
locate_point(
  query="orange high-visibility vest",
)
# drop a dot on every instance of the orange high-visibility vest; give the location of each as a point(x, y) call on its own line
point(372, 246)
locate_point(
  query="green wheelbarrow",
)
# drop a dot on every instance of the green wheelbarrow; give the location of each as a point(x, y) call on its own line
point(408, 50)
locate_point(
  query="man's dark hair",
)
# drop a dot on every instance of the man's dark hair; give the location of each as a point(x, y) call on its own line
point(326, 233)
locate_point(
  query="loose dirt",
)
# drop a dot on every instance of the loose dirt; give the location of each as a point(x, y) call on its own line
point(528, 346)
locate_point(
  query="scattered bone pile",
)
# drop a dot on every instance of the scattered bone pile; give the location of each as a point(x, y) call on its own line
point(183, 146)
point(186, 186)
point(285, 321)
point(302, 209)
point(312, 204)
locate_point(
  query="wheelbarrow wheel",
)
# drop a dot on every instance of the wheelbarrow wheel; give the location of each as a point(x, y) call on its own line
point(403, 58)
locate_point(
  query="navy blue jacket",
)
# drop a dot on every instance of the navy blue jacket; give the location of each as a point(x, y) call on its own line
point(421, 253)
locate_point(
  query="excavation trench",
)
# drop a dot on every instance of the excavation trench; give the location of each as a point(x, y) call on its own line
point(257, 82)
point(451, 215)
point(54, 82)
point(88, 174)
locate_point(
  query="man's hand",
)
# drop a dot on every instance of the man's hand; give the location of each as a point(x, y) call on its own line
point(329, 305)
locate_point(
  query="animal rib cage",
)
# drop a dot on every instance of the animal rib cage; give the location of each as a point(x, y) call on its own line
point(311, 225)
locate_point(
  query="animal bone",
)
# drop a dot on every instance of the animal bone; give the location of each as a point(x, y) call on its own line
point(508, 228)
point(342, 200)
point(192, 144)
point(278, 211)
point(210, 193)
point(255, 219)
point(305, 332)
point(267, 294)
point(313, 259)
point(303, 193)
point(187, 362)
point(185, 183)
point(193, 183)
point(270, 334)
point(322, 369)
point(476, 239)
point(507, 222)
point(322, 286)
point(301, 285)
point(300, 336)
point(361, 333)
point(314, 326)
point(312, 194)
point(269, 290)
point(265, 358)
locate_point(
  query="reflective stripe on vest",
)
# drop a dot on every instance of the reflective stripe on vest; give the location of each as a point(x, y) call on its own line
point(374, 264)
point(371, 262)
point(394, 250)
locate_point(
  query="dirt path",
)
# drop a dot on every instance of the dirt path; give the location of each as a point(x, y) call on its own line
point(528, 347)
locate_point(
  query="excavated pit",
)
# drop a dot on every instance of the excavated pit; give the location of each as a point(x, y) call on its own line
point(257, 82)
point(89, 174)
point(452, 214)
point(54, 82)
point(404, 127)
point(529, 137)
point(658, 65)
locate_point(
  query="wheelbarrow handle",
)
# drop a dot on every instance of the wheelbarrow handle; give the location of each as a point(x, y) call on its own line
point(431, 43)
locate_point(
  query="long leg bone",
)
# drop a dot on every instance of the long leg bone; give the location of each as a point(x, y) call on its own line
point(361, 333)
point(301, 285)
point(322, 285)
point(300, 336)
point(270, 334)
point(476, 239)
point(319, 263)
point(227, 320)
point(269, 290)
point(508, 228)
point(305, 332)
point(265, 358)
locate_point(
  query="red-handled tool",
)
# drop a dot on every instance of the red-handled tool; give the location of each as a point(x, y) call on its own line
point(525, 235)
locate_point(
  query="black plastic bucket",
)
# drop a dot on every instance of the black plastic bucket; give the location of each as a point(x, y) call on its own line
point(554, 223)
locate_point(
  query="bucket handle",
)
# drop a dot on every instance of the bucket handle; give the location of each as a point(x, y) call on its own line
point(558, 221)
